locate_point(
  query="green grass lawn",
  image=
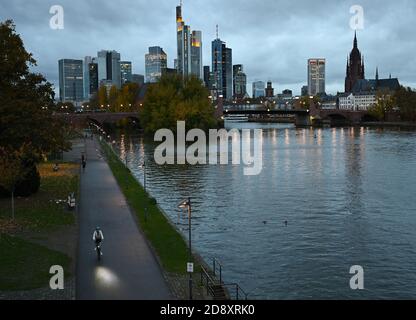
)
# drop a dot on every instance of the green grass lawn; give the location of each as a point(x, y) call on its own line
point(25, 265)
point(40, 212)
point(168, 243)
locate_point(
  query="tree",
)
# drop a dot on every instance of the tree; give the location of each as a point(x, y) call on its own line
point(406, 102)
point(174, 99)
point(26, 100)
point(102, 96)
point(94, 102)
point(12, 170)
point(26, 103)
point(112, 98)
point(384, 104)
point(127, 97)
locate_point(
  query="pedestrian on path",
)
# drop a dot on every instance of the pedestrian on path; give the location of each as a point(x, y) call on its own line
point(83, 162)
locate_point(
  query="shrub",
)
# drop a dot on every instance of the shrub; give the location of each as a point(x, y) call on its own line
point(28, 185)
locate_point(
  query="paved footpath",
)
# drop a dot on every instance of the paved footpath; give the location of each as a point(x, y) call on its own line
point(128, 269)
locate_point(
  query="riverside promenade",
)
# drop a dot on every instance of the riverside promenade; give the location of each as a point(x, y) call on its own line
point(128, 269)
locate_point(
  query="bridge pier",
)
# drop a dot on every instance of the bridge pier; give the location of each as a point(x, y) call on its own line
point(303, 120)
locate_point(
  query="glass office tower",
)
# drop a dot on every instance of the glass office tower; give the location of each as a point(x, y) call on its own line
point(189, 48)
point(316, 76)
point(258, 89)
point(126, 72)
point(109, 67)
point(196, 55)
point(71, 81)
point(222, 68)
point(155, 64)
point(239, 81)
point(93, 78)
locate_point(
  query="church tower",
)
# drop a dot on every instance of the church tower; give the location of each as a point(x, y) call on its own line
point(355, 67)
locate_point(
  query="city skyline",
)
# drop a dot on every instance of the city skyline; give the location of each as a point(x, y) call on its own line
point(285, 67)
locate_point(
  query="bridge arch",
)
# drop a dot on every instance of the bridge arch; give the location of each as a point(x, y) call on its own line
point(335, 116)
point(369, 118)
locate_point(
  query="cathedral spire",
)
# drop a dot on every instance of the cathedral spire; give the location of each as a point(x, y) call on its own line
point(355, 67)
point(355, 40)
point(348, 66)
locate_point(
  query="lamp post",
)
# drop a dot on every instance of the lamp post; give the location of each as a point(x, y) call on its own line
point(186, 204)
point(143, 165)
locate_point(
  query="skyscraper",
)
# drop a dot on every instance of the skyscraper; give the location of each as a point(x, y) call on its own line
point(71, 81)
point(93, 78)
point(207, 72)
point(155, 64)
point(222, 68)
point(109, 67)
point(316, 76)
point(269, 90)
point(258, 89)
point(355, 67)
point(239, 81)
point(184, 44)
point(126, 72)
point(189, 51)
point(86, 68)
point(196, 54)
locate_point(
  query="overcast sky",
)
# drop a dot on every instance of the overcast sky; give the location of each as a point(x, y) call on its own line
point(272, 38)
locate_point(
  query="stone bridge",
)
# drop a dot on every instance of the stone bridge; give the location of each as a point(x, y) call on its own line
point(305, 117)
point(339, 116)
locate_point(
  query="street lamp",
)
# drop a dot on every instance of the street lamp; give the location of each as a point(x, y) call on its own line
point(186, 204)
point(143, 166)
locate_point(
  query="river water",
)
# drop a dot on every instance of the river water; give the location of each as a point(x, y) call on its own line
point(348, 196)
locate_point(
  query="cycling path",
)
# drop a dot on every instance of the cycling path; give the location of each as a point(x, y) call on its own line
point(128, 269)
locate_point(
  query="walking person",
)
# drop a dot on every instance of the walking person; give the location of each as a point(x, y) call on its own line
point(84, 164)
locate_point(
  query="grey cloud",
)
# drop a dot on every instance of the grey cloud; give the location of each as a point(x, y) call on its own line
point(273, 39)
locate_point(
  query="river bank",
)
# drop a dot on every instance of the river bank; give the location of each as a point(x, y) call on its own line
point(403, 125)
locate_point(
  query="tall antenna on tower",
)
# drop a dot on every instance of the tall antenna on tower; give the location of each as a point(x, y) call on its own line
point(180, 3)
point(217, 32)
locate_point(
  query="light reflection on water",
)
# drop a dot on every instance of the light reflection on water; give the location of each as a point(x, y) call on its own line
point(348, 197)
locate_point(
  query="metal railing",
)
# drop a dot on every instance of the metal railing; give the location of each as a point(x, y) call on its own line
point(207, 280)
point(240, 294)
point(217, 265)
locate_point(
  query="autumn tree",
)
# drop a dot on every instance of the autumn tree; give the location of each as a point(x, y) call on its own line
point(26, 103)
point(102, 96)
point(175, 99)
point(406, 103)
point(113, 98)
point(127, 96)
point(385, 103)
